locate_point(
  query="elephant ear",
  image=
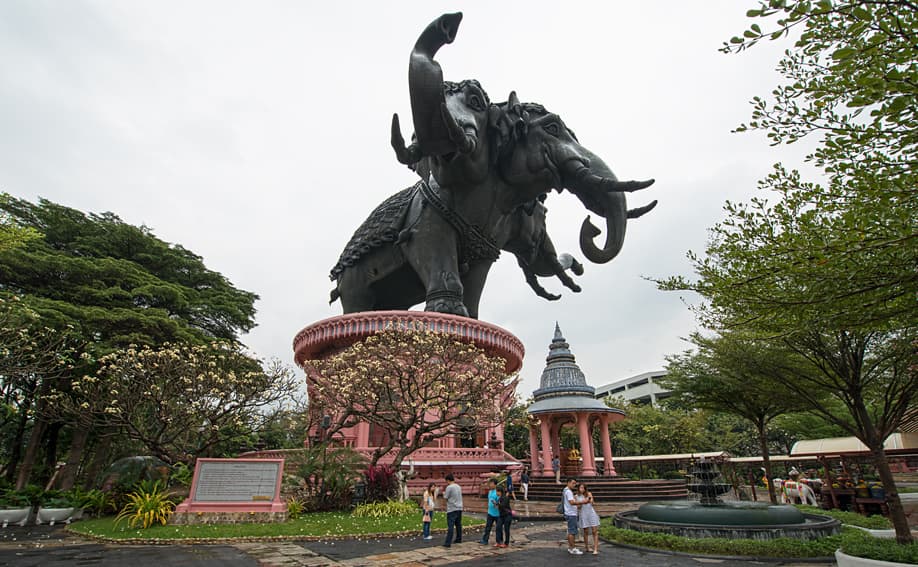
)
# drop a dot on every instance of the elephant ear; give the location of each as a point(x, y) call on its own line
point(500, 128)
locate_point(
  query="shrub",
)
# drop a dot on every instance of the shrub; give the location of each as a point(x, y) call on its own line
point(386, 509)
point(850, 518)
point(295, 508)
point(381, 483)
point(14, 499)
point(780, 547)
point(181, 474)
point(146, 506)
point(881, 549)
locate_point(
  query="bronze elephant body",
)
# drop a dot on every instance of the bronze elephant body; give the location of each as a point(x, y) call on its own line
point(484, 170)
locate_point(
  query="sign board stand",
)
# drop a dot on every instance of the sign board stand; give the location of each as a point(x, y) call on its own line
point(232, 491)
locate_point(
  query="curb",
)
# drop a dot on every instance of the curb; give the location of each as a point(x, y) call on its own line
point(826, 559)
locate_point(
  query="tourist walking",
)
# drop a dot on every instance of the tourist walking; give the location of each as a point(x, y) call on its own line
point(524, 482)
point(510, 491)
point(556, 468)
point(505, 518)
point(571, 515)
point(493, 512)
point(453, 496)
point(428, 502)
point(589, 519)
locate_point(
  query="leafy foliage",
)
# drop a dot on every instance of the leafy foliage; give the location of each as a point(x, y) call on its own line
point(414, 384)
point(829, 268)
point(386, 509)
point(118, 283)
point(874, 522)
point(780, 547)
point(146, 506)
point(381, 483)
point(325, 477)
point(179, 401)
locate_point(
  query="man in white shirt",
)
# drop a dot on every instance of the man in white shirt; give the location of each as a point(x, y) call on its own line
point(571, 515)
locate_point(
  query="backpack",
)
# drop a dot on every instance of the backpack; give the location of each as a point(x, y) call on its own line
point(560, 508)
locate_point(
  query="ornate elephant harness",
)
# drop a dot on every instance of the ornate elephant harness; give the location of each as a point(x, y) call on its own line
point(385, 226)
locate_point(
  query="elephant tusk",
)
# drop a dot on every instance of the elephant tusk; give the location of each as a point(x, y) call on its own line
point(582, 176)
point(641, 211)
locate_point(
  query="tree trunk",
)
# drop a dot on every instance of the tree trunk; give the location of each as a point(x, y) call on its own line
point(896, 511)
point(16, 443)
point(766, 463)
point(28, 460)
point(100, 458)
point(53, 434)
point(68, 474)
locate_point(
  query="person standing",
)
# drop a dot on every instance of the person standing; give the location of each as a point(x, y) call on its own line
point(556, 468)
point(524, 482)
point(589, 519)
point(505, 518)
point(571, 515)
point(453, 496)
point(428, 502)
point(493, 513)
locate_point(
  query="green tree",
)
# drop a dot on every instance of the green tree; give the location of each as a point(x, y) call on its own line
point(731, 374)
point(829, 268)
point(652, 430)
point(178, 401)
point(516, 430)
point(110, 285)
point(416, 385)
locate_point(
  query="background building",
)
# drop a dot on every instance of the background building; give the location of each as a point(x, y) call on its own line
point(642, 388)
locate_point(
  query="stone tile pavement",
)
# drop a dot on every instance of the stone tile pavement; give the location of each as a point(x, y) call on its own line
point(534, 544)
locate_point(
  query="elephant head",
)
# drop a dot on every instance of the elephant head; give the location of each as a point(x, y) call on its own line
point(546, 154)
point(454, 123)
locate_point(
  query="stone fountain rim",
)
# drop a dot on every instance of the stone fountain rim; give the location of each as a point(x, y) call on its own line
point(827, 521)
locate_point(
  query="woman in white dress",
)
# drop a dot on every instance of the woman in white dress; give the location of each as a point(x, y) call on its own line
point(589, 519)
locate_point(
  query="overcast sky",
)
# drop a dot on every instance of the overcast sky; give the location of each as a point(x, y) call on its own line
point(256, 134)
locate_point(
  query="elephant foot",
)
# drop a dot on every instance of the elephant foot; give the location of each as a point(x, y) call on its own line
point(448, 298)
point(446, 302)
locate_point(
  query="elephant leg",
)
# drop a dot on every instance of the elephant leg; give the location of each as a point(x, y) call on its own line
point(356, 295)
point(473, 281)
point(432, 252)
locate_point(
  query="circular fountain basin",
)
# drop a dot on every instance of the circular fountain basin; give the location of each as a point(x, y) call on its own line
point(734, 520)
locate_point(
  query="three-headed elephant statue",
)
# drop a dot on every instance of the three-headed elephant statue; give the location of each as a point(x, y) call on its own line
point(485, 168)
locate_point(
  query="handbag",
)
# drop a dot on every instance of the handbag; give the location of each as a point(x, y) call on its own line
point(426, 517)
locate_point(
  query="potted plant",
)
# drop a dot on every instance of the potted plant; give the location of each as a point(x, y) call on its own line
point(14, 509)
point(54, 508)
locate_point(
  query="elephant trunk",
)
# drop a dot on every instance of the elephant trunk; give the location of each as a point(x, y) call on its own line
point(425, 83)
point(598, 188)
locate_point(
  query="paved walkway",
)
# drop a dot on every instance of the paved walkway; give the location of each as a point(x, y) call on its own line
point(534, 544)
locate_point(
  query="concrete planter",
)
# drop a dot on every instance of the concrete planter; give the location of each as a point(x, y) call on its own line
point(14, 516)
point(886, 534)
point(54, 515)
point(845, 560)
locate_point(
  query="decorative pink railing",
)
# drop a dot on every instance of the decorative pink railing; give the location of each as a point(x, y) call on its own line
point(330, 335)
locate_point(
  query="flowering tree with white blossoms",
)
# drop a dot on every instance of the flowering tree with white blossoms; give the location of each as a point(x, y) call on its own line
point(178, 401)
point(415, 384)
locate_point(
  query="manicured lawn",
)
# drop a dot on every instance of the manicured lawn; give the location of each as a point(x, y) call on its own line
point(321, 524)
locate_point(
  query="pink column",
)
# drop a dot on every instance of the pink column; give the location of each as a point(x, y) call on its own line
point(586, 445)
point(533, 450)
point(546, 447)
point(606, 446)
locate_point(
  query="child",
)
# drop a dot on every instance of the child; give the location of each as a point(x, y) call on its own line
point(504, 519)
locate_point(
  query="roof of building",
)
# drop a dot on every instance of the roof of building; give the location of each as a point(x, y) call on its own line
point(563, 386)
